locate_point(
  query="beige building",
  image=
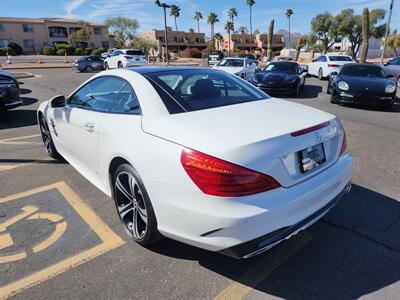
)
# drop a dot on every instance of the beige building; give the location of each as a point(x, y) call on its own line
point(184, 40)
point(32, 34)
point(245, 41)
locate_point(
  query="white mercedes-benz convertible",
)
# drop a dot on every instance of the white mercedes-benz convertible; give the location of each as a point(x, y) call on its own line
point(200, 156)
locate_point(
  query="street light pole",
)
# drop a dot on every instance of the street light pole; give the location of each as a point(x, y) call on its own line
point(387, 30)
point(165, 6)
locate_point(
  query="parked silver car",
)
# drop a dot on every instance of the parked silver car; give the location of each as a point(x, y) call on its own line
point(392, 67)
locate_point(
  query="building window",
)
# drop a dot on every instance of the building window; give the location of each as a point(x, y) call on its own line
point(97, 30)
point(105, 44)
point(3, 43)
point(1, 28)
point(56, 31)
point(92, 45)
point(29, 45)
point(27, 27)
point(73, 29)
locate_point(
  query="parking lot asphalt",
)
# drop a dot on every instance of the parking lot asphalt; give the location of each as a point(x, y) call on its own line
point(60, 237)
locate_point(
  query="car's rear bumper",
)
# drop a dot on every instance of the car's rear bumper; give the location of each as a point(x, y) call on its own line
point(135, 64)
point(223, 224)
point(269, 240)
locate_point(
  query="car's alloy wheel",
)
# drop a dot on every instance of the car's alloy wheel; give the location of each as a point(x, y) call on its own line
point(398, 82)
point(320, 75)
point(47, 140)
point(134, 207)
point(89, 69)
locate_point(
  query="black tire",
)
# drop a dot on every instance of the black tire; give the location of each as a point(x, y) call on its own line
point(106, 66)
point(320, 74)
point(333, 98)
point(304, 83)
point(120, 65)
point(398, 82)
point(328, 90)
point(143, 233)
point(88, 69)
point(47, 139)
point(296, 93)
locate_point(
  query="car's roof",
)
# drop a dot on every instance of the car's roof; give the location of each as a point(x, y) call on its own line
point(333, 54)
point(155, 69)
point(234, 57)
point(284, 62)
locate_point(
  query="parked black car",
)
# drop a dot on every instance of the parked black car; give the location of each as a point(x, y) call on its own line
point(281, 77)
point(88, 64)
point(9, 91)
point(215, 57)
point(365, 84)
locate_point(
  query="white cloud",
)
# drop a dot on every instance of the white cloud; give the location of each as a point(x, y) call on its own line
point(71, 6)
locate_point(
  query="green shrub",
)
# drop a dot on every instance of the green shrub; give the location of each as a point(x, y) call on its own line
point(63, 46)
point(98, 51)
point(88, 51)
point(48, 50)
point(17, 48)
point(61, 52)
point(78, 51)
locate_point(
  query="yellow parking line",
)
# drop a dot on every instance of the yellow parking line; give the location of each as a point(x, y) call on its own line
point(6, 167)
point(5, 241)
point(254, 276)
point(27, 210)
point(109, 240)
point(60, 229)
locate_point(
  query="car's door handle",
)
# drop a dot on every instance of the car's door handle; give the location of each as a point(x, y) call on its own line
point(89, 127)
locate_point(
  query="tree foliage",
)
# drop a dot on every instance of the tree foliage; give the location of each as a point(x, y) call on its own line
point(146, 45)
point(123, 29)
point(212, 19)
point(323, 27)
point(82, 35)
point(393, 42)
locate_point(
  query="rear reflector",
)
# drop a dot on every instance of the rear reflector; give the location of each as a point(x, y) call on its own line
point(344, 144)
point(214, 176)
point(310, 129)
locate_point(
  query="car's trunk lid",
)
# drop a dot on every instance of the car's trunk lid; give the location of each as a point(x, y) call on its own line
point(256, 135)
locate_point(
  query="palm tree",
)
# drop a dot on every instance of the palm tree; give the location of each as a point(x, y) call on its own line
point(289, 12)
point(229, 27)
point(198, 16)
point(212, 19)
point(250, 3)
point(175, 12)
point(232, 12)
point(219, 38)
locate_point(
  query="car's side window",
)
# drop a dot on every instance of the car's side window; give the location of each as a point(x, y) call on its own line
point(323, 58)
point(98, 94)
point(395, 62)
point(116, 53)
point(126, 102)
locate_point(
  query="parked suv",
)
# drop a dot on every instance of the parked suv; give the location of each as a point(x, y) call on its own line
point(123, 58)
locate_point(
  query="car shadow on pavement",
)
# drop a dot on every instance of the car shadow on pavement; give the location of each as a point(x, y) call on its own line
point(24, 91)
point(17, 118)
point(353, 251)
point(29, 161)
point(310, 91)
point(395, 108)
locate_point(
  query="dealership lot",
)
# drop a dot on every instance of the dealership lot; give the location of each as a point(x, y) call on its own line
point(65, 239)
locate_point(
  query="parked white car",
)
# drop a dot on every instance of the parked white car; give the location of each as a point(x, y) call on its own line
point(242, 67)
point(324, 65)
point(124, 58)
point(200, 156)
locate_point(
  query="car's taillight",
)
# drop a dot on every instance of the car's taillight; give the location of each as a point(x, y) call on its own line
point(128, 57)
point(332, 65)
point(344, 144)
point(217, 177)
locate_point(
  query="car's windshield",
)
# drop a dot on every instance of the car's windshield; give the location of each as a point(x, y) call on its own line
point(362, 71)
point(231, 62)
point(340, 58)
point(134, 52)
point(201, 89)
point(281, 67)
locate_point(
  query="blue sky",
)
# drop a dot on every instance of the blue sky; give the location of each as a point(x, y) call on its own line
point(150, 16)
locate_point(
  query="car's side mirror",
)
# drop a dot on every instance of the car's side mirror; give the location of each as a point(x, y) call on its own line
point(58, 101)
point(334, 73)
point(314, 60)
point(385, 63)
point(389, 76)
point(302, 71)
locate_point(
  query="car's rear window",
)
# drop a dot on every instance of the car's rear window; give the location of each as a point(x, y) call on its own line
point(340, 58)
point(362, 71)
point(202, 89)
point(134, 52)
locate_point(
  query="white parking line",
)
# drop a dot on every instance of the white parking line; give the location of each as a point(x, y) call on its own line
point(16, 140)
